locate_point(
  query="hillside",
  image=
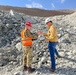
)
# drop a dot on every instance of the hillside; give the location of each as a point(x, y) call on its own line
point(11, 52)
point(37, 12)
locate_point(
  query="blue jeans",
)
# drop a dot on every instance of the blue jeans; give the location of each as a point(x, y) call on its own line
point(53, 50)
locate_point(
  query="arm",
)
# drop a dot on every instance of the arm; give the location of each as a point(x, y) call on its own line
point(52, 33)
point(34, 36)
point(44, 34)
point(28, 34)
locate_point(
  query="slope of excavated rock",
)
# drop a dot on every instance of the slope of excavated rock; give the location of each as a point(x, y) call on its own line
point(11, 49)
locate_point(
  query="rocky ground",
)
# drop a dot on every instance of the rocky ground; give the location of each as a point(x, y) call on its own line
point(11, 23)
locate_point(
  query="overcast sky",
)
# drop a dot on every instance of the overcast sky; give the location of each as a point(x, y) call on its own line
point(42, 4)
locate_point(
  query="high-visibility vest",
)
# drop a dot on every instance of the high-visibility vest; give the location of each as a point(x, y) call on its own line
point(26, 41)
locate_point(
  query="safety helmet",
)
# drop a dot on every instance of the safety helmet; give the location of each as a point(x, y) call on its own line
point(28, 23)
point(47, 20)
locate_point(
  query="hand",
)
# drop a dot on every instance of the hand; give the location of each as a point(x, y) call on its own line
point(46, 40)
point(40, 32)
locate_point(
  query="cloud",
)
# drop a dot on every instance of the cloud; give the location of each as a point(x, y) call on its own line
point(52, 4)
point(34, 5)
point(28, 6)
point(62, 1)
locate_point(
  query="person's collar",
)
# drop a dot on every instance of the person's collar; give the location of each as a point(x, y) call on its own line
point(50, 26)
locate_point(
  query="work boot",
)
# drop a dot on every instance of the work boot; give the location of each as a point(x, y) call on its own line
point(58, 56)
point(25, 68)
point(52, 69)
point(30, 70)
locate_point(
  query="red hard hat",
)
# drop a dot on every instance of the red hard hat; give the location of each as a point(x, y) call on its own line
point(28, 23)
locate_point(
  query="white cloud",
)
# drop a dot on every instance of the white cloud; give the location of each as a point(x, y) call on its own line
point(34, 5)
point(62, 1)
point(28, 5)
point(52, 4)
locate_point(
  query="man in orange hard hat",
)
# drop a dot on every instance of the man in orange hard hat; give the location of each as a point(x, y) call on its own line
point(27, 38)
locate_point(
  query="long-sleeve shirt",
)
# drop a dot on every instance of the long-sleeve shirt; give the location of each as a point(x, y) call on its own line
point(52, 34)
point(32, 35)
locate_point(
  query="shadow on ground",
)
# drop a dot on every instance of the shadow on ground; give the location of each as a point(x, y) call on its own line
point(59, 71)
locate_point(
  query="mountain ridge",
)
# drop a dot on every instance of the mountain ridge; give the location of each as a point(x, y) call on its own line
point(37, 12)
